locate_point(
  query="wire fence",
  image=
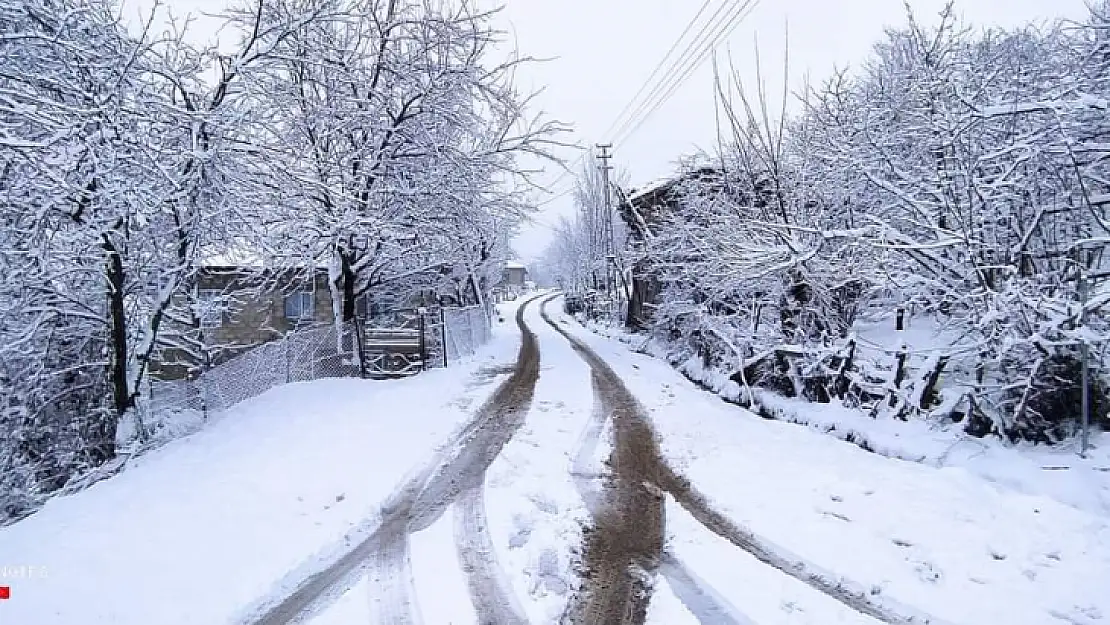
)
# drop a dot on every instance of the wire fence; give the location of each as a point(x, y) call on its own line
point(441, 337)
point(464, 331)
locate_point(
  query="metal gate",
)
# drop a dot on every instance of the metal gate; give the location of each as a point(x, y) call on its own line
point(405, 342)
point(393, 344)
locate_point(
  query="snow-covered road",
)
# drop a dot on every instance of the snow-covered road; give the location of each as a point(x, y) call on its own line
point(912, 537)
point(593, 485)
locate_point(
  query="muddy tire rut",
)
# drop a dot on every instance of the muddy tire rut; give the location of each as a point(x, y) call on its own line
point(625, 547)
point(454, 477)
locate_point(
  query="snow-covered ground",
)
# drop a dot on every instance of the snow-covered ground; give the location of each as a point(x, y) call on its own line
point(1056, 472)
point(943, 540)
point(208, 527)
point(533, 508)
point(201, 529)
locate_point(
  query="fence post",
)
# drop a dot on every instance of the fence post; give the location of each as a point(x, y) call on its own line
point(420, 312)
point(443, 333)
point(1085, 403)
point(288, 364)
point(203, 396)
point(312, 356)
point(470, 330)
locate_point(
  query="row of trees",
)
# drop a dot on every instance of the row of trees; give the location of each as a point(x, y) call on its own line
point(958, 175)
point(376, 137)
point(584, 256)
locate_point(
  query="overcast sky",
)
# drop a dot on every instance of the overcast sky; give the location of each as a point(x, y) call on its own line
point(602, 51)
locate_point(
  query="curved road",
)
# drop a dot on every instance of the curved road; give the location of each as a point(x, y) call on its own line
point(624, 547)
point(422, 501)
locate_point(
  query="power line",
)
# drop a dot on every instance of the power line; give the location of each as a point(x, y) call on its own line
point(679, 70)
point(694, 58)
point(556, 197)
point(678, 62)
point(655, 72)
point(663, 62)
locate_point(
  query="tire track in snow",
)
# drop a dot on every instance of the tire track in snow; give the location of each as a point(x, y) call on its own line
point(642, 459)
point(624, 546)
point(490, 590)
point(845, 591)
point(586, 480)
point(392, 595)
point(699, 598)
point(418, 503)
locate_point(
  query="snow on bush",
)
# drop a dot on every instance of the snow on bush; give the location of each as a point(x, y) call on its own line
point(955, 182)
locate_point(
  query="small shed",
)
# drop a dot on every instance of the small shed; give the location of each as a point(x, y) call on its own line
point(515, 274)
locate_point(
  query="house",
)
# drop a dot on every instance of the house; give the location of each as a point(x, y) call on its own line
point(236, 307)
point(514, 275)
point(644, 211)
point(233, 308)
point(514, 281)
point(240, 300)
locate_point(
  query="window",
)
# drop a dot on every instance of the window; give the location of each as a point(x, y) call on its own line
point(300, 306)
point(211, 305)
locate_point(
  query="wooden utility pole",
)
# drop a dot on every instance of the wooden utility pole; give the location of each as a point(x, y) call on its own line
point(607, 221)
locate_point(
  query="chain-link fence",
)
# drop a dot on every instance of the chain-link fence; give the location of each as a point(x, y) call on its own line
point(464, 331)
point(172, 408)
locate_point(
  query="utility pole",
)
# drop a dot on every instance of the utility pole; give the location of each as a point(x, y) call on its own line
point(607, 221)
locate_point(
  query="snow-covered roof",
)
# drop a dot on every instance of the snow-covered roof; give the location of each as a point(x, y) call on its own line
point(513, 264)
point(253, 260)
point(233, 258)
point(654, 185)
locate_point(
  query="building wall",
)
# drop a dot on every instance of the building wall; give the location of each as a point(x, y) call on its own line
point(515, 276)
point(255, 314)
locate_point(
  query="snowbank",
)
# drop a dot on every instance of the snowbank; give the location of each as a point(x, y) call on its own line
point(1057, 472)
point(202, 528)
point(942, 540)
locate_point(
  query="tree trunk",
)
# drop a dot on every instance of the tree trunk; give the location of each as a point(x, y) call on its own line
point(348, 279)
point(104, 449)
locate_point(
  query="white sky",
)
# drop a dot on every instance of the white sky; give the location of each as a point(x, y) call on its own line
point(602, 51)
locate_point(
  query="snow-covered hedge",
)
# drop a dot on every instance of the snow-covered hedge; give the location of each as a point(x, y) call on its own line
point(957, 182)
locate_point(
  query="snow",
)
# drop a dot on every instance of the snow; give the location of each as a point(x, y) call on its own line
point(438, 577)
point(534, 512)
point(205, 527)
point(666, 609)
point(738, 579)
point(1056, 472)
point(650, 187)
point(942, 540)
point(437, 583)
point(209, 527)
